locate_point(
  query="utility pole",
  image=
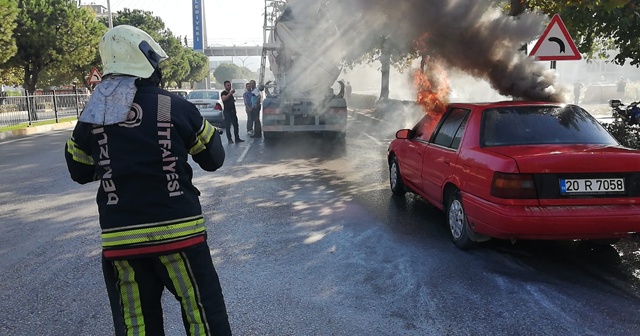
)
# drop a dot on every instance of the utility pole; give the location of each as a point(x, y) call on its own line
point(109, 13)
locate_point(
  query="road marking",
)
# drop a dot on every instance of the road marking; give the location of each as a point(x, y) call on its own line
point(372, 138)
point(246, 150)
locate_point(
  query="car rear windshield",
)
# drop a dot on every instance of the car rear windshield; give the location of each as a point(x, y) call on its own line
point(203, 95)
point(533, 125)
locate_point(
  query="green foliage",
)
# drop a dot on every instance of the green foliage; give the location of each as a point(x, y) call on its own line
point(8, 15)
point(229, 71)
point(49, 32)
point(198, 67)
point(144, 20)
point(628, 136)
point(76, 65)
point(11, 76)
point(176, 66)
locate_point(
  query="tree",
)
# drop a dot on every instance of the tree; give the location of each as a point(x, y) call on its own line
point(76, 66)
point(50, 32)
point(379, 38)
point(198, 67)
point(229, 71)
point(8, 15)
point(176, 66)
point(144, 20)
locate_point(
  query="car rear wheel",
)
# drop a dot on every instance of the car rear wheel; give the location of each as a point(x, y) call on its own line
point(458, 223)
point(395, 179)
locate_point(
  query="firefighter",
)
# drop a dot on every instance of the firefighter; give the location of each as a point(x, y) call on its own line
point(134, 138)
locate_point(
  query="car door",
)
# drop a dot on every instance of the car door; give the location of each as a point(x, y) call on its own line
point(418, 140)
point(440, 157)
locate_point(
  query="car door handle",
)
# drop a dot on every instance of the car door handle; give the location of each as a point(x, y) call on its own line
point(447, 162)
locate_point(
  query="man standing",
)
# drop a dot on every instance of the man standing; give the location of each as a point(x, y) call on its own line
point(230, 112)
point(246, 97)
point(347, 93)
point(256, 106)
point(622, 86)
point(135, 138)
point(577, 91)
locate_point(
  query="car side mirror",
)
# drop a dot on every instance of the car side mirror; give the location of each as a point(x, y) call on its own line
point(615, 103)
point(403, 134)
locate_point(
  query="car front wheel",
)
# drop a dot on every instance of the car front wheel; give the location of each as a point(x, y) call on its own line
point(458, 224)
point(395, 179)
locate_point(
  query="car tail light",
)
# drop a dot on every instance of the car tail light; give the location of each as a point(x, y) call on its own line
point(514, 186)
point(218, 106)
point(269, 111)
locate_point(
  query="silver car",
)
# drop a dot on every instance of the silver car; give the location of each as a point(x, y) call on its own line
point(210, 105)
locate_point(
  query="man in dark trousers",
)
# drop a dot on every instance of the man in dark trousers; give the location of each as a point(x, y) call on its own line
point(256, 106)
point(230, 112)
point(135, 139)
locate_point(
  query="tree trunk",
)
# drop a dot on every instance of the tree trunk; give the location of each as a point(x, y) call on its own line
point(385, 61)
point(30, 80)
point(517, 7)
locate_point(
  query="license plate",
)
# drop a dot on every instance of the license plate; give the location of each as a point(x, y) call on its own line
point(592, 186)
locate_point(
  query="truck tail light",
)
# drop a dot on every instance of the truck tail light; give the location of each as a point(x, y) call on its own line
point(513, 186)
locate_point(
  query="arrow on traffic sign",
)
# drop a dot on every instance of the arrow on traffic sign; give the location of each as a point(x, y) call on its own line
point(95, 77)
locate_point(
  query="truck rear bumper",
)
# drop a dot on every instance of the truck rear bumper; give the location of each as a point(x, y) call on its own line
point(303, 128)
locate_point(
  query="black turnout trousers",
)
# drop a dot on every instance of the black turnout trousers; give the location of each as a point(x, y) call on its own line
point(135, 288)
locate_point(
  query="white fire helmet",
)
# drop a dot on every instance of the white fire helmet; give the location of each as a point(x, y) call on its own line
point(128, 50)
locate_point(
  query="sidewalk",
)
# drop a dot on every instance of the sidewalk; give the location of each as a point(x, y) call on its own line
point(37, 129)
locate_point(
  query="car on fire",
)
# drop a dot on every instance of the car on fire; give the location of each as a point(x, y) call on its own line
point(519, 170)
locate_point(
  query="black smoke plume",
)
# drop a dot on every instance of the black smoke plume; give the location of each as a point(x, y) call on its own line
point(473, 36)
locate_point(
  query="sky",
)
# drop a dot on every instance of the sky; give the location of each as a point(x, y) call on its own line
point(228, 22)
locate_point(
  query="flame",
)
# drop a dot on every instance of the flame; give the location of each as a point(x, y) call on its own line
point(433, 89)
point(432, 85)
point(430, 81)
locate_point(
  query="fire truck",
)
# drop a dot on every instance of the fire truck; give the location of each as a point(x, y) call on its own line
point(303, 95)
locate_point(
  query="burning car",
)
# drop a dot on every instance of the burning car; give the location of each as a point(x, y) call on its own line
point(519, 170)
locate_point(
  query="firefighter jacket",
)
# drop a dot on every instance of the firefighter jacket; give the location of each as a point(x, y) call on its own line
point(147, 202)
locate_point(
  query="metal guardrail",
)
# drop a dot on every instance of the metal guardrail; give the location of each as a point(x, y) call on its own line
point(16, 110)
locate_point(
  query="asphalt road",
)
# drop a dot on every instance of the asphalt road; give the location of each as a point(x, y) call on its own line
point(307, 240)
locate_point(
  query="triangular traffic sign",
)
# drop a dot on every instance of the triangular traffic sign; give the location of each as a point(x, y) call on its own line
point(555, 44)
point(95, 77)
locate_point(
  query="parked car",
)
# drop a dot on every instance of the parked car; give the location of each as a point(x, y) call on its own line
point(520, 170)
point(210, 105)
point(180, 92)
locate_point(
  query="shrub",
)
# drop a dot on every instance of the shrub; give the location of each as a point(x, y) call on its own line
point(8, 108)
point(628, 136)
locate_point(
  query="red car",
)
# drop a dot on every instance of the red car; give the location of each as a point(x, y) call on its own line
point(520, 170)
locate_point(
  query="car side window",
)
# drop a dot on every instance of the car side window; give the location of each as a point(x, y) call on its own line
point(424, 128)
point(458, 137)
point(452, 128)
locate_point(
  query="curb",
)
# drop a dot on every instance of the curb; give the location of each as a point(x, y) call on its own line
point(37, 129)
